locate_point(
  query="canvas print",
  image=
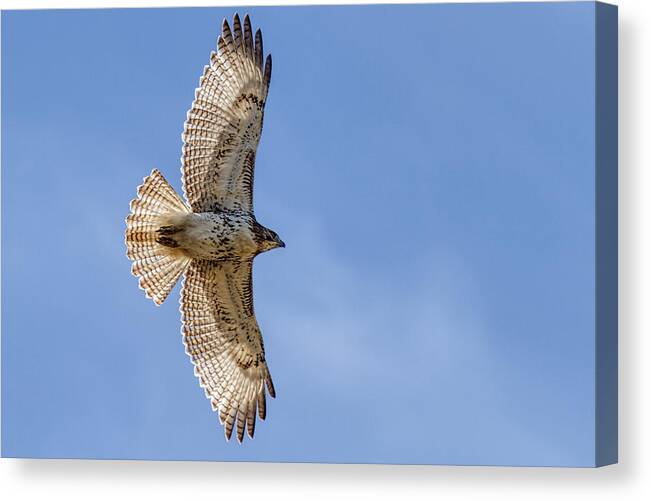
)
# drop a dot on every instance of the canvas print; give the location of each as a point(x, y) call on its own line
point(398, 246)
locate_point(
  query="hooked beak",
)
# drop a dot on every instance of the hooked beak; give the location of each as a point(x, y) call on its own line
point(281, 243)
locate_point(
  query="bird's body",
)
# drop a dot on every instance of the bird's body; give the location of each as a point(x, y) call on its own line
point(215, 236)
point(212, 238)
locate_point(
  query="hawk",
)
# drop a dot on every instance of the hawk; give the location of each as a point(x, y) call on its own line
point(212, 239)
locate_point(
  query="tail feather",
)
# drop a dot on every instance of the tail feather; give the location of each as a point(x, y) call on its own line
point(158, 266)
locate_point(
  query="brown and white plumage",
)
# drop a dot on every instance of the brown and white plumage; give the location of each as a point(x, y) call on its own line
point(222, 337)
point(157, 266)
point(223, 127)
point(214, 240)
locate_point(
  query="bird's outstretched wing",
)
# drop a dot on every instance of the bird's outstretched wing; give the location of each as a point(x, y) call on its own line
point(222, 337)
point(223, 127)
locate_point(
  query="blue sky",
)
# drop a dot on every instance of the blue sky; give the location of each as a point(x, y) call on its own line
point(431, 169)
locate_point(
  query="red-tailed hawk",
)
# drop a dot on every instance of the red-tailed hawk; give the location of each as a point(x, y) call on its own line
point(213, 239)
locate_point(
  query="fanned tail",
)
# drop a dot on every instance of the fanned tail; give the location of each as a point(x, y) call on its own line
point(157, 265)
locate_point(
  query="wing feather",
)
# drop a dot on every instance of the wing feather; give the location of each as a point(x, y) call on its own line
point(223, 126)
point(223, 340)
point(258, 49)
point(248, 38)
point(237, 30)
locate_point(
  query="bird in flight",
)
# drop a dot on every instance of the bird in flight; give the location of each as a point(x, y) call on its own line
point(212, 239)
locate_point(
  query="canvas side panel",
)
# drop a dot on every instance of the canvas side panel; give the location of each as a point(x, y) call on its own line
point(606, 235)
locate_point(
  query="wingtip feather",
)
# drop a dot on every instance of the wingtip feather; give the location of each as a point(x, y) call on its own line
point(267, 71)
point(237, 30)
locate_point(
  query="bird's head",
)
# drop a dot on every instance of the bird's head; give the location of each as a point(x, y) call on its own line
point(267, 239)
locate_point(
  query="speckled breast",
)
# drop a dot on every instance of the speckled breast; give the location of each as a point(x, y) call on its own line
point(218, 236)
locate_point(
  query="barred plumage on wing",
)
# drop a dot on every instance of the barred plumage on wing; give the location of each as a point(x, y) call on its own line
point(213, 239)
point(219, 293)
point(224, 124)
